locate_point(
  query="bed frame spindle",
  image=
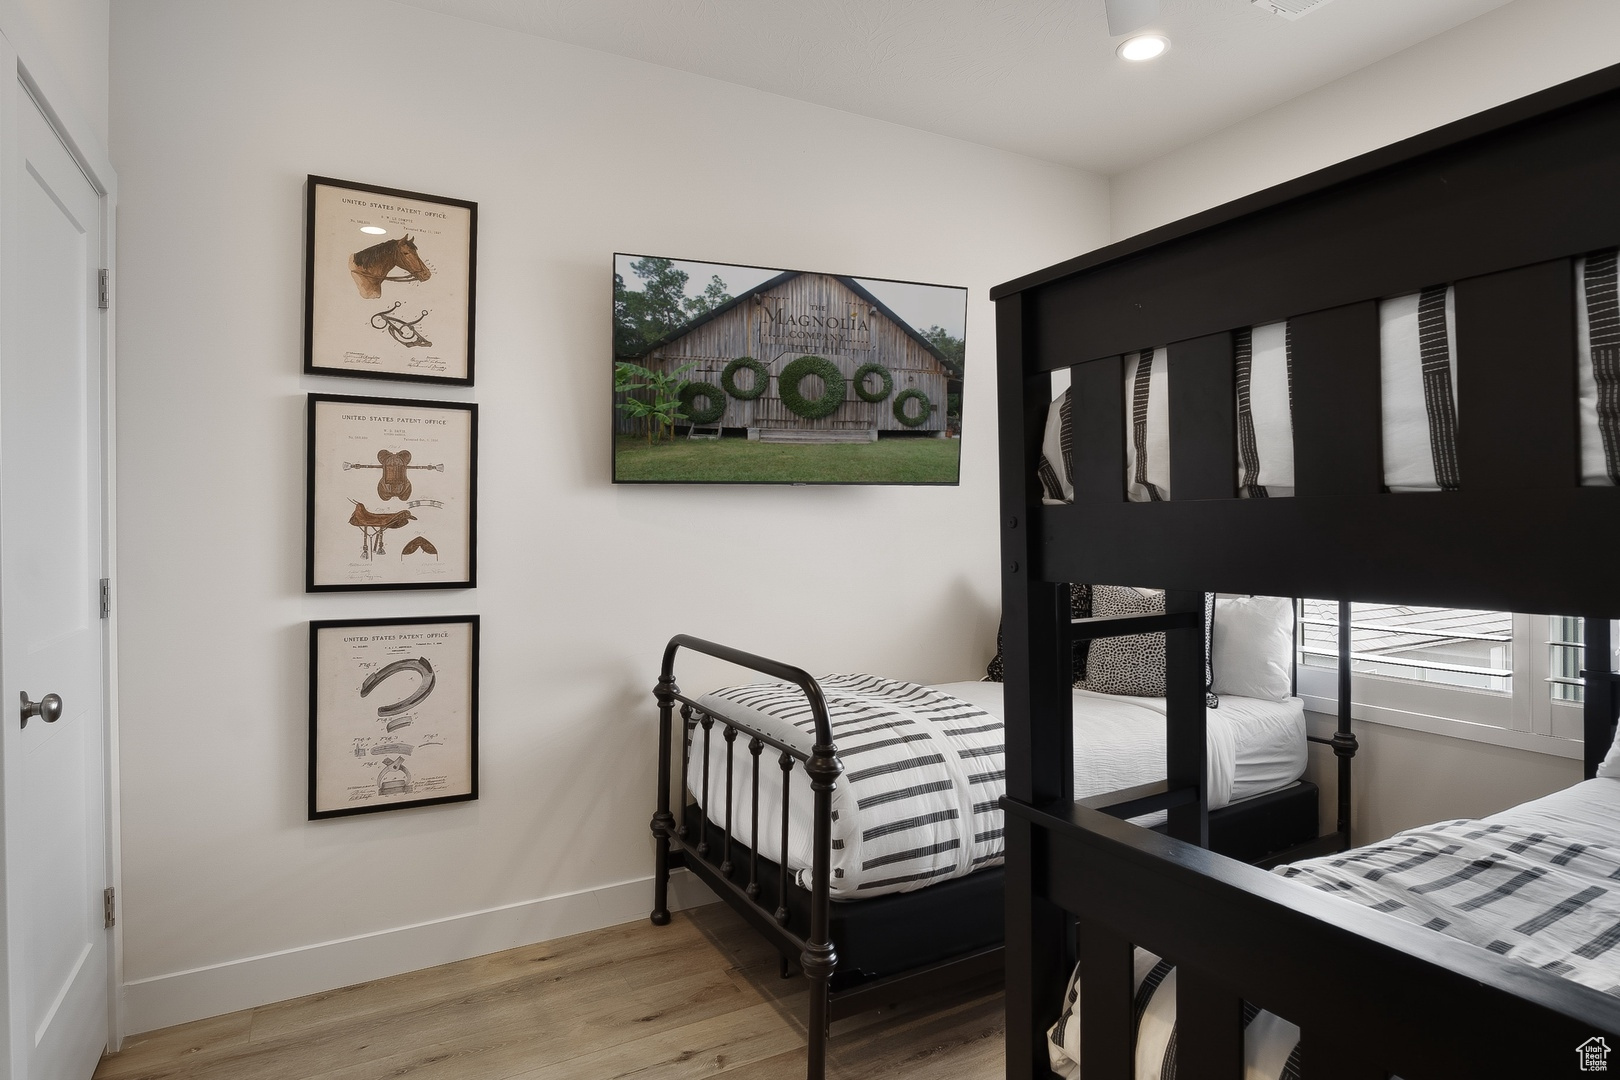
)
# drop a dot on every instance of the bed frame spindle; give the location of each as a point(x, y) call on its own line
point(703, 834)
point(731, 746)
point(782, 884)
point(754, 748)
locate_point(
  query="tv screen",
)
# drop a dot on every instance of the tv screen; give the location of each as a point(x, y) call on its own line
point(728, 374)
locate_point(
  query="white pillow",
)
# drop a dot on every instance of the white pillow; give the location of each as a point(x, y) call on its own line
point(1252, 648)
point(1610, 766)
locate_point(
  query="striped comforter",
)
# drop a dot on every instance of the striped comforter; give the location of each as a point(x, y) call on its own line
point(1516, 889)
point(916, 803)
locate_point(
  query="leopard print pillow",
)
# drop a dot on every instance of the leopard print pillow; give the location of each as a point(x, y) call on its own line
point(1126, 665)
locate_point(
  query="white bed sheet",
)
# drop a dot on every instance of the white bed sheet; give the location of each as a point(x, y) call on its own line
point(1589, 810)
point(1255, 746)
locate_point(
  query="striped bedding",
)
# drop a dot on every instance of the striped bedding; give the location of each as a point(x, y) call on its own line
point(1537, 883)
point(1418, 378)
point(916, 803)
point(897, 738)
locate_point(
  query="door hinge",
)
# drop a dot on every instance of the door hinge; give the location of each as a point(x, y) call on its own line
point(104, 294)
point(108, 918)
point(106, 597)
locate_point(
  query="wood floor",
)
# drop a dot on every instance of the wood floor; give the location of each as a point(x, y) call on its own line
point(697, 998)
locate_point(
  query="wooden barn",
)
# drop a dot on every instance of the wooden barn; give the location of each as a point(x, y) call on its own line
point(806, 358)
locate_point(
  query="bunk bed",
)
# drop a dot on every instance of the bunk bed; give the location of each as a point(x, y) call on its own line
point(882, 903)
point(1500, 229)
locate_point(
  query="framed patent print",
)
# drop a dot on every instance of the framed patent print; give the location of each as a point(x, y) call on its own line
point(389, 281)
point(392, 490)
point(393, 713)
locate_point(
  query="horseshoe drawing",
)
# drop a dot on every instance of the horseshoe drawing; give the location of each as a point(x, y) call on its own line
point(421, 667)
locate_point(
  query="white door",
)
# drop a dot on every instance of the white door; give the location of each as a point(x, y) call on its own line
point(51, 638)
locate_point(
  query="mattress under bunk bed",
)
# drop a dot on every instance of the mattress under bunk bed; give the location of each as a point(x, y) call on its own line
point(891, 800)
point(1471, 463)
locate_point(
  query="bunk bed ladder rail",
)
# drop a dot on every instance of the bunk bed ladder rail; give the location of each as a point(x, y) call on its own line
point(815, 952)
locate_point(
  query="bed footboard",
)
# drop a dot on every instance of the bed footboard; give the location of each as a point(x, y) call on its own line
point(815, 952)
point(1372, 996)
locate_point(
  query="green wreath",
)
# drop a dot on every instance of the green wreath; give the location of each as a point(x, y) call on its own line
point(904, 396)
point(714, 410)
point(882, 373)
point(787, 384)
point(728, 378)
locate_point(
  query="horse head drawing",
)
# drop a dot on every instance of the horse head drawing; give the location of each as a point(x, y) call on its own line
point(370, 266)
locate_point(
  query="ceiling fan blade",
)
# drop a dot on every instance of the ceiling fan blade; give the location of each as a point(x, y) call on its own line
point(1127, 15)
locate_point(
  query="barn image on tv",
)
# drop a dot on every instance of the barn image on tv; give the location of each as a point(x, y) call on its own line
point(806, 358)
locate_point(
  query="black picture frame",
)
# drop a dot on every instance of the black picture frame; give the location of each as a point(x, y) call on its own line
point(348, 437)
point(355, 758)
point(339, 338)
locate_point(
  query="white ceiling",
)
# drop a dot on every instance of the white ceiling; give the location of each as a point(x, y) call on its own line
point(1036, 77)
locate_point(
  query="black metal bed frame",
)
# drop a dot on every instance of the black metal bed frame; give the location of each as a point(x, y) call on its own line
point(676, 845)
point(1498, 205)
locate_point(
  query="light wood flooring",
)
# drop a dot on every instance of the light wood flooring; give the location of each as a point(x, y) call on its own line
point(697, 998)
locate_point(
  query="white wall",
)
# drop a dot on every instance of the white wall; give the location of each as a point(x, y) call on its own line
point(65, 44)
point(219, 111)
point(1401, 779)
point(1504, 54)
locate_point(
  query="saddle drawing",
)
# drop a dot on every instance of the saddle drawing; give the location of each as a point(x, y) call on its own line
point(372, 525)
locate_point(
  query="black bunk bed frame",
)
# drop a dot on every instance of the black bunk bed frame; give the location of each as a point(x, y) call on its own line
point(1498, 204)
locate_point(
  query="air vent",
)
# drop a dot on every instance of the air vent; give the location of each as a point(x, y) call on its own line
point(1290, 9)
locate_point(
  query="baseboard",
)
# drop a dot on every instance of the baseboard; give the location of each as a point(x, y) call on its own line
point(164, 1000)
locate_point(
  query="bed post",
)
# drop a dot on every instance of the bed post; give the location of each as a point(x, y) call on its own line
point(819, 959)
point(1599, 701)
point(663, 822)
point(1035, 616)
point(1344, 740)
point(1186, 741)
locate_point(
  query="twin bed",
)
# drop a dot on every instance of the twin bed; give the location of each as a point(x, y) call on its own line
point(1396, 380)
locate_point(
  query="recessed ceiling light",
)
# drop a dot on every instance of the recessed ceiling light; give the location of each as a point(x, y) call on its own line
point(1143, 47)
point(373, 230)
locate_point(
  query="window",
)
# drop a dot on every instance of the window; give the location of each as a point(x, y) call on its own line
point(1486, 675)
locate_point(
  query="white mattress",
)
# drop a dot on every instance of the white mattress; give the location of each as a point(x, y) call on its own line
point(1255, 746)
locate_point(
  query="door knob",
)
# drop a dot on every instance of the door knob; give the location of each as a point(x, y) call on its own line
point(47, 708)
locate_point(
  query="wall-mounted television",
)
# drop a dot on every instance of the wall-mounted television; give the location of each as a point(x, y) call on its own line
point(730, 374)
